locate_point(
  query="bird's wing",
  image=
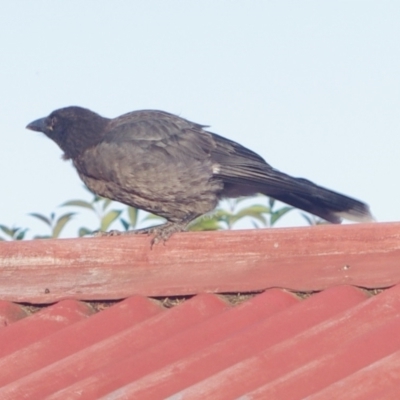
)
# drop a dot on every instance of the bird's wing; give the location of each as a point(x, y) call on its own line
point(162, 133)
point(160, 140)
point(237, 164)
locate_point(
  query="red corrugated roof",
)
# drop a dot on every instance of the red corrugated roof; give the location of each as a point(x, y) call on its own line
point(273, 345)
point(338, 343)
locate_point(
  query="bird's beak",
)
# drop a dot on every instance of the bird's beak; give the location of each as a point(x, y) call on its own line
point(39, 125)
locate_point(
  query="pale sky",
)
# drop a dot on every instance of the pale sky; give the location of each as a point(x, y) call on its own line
point(312, 86)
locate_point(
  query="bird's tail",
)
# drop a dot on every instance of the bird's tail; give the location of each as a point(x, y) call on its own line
point(297, 192)
point(306, 195)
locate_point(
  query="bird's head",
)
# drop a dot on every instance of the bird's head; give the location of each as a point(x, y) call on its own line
point(74, 129)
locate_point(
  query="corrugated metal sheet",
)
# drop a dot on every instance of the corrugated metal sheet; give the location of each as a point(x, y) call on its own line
point(339, 343)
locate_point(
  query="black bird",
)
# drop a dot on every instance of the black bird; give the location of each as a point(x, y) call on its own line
point(176, 169)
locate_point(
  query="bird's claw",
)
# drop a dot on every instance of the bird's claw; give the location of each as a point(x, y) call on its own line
point(161, 233)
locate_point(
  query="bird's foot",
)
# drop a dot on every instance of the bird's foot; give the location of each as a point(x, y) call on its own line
point(161, 232)
point(115, 232)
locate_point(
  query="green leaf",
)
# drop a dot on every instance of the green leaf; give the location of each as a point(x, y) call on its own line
point(42, 218)
point(14, 233)
point(221, 214)
point(254, 211)
point(78, 203)
point(133, 214)
point(8, 231)
point(125, 224)
point(84, 232)
point(42, 237)
point(259, 208)
point(61, 222)
point(151, 217)
point(106, 203)
point(98, 198)
point(21, 234)
point(248, 213)
point(204, 224)
point(108, 219)
point(276, 215)
point(255, 226)
point(308, 218)
point(271, 202)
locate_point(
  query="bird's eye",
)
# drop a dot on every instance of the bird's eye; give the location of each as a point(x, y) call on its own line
point(53, 122)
